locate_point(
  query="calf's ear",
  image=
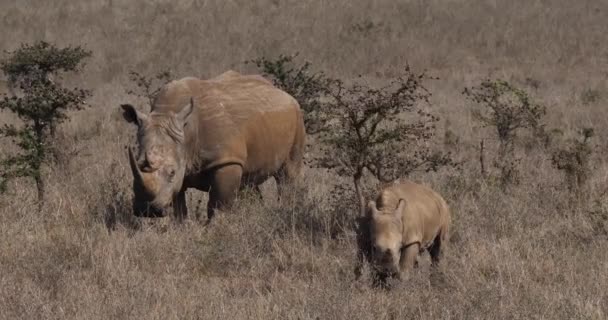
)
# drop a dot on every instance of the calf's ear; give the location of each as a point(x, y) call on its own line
point(400, 208)
point(131, 114)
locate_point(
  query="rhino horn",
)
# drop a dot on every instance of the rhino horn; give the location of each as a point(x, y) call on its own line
point(136, 172)
point(372, 208)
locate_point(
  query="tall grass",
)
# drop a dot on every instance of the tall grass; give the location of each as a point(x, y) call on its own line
point(534, 251)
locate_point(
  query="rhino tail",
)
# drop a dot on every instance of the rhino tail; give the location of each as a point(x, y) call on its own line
point(296, 155)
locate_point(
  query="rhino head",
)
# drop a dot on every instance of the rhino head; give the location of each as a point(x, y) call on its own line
point(160, 165)
point(386, 230)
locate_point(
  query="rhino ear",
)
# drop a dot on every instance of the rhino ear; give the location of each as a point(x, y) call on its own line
point(400, 208)
point(183, 114)
point(131, 115)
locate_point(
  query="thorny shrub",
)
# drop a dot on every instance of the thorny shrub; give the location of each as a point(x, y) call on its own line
point(574, 160)
point(305, 85)
point(508, 110)
point(43, 104)
point(148, 87)
point(366, 130)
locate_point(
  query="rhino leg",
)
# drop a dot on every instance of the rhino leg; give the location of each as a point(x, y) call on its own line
point(290, 170)
point(254, 188)
point(409, 257)
point(180, 209)
point(224, 187)
point(435, 250)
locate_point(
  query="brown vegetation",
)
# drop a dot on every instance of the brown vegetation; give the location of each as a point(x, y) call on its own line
point(533, 251)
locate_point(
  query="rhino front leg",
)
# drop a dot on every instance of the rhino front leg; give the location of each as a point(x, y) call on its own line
point(180, 210)
point(224, 188)
point(359, 264)
point(409, 257)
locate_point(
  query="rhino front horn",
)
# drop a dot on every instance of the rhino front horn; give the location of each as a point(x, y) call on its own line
point(136, 172)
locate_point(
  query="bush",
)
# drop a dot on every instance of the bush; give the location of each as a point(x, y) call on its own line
point(366, 131)
point(44, 104)
point(508, 110)
point(306, 86)
point(590, 96)
point(574, 160)
point(148, 87)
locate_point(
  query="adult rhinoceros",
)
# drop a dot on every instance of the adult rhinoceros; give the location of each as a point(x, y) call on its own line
point(214, 135)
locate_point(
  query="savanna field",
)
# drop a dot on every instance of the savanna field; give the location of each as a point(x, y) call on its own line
point(534, 250)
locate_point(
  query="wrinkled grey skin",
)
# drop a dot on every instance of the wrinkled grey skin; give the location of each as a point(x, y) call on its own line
point(159, 167)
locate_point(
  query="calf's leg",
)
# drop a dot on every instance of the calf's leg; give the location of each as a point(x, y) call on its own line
point(409, 257)
point(435, 250)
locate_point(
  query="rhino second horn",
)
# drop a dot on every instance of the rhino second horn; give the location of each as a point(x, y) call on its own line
point(136, 172)
point(372, 207)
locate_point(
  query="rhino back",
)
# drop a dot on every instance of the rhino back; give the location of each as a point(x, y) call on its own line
point(240, 119)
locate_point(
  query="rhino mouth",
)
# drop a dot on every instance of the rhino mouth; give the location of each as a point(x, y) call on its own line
point(147, 210)
point(385, 279)
point(144, 204)
point(384, 273)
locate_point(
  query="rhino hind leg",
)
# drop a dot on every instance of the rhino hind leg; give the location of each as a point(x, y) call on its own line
point(435, 250)
point(224, 188)
point(285, 178)
point(290, 170)
point(253, 188)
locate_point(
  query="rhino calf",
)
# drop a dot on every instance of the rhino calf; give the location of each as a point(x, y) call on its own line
point(405, 220)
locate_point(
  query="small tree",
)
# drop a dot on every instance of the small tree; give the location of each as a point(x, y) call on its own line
point(148, 87)
point(44, 103)
point(306, 86)
point(366, 131)
point(574, 160)
point(507, 110)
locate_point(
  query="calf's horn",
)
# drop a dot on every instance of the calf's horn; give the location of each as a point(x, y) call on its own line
point(371, 206)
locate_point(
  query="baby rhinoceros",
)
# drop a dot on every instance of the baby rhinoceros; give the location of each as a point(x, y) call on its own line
point(406, 219)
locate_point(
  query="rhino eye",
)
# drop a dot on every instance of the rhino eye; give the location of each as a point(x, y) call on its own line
point(378, 250)
point(171, 173)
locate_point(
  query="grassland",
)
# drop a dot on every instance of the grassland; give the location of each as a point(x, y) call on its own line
point(535, 251)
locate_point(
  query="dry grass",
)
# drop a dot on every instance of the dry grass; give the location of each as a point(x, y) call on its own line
point(532, 252)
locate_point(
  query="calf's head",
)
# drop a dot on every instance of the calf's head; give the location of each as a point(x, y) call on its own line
point(386, 231)
point(159, 165)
